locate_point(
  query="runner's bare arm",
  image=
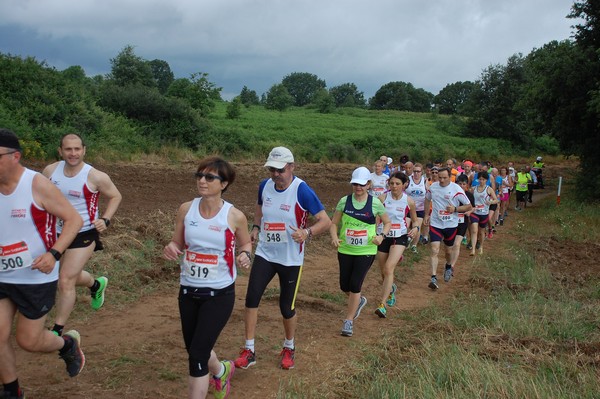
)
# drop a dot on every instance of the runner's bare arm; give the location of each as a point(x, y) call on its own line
point(257, 219)
point(107, 188)
point(415, 224)
point(174, 248)
point(244, 244)
point(333, 228)
point(48, 197)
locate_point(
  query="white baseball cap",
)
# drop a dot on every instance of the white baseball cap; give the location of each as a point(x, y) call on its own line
point(279, 157)
point(389, 160)
point(361, 176)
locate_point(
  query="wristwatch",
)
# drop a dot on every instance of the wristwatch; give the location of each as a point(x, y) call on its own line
point(106, 221)
point(55, 253)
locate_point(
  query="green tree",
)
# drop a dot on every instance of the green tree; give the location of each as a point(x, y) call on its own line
point(324, 102)
point(401, 96)
point(453, 98)
point(302, 87)
point(162, 74)
point(278, 98)
point(129, 69)
point(249, 97)
point(347, 95)
point(198, 91)
point(234, 108)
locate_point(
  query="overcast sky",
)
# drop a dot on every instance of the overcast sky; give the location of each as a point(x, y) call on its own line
point(257, 42)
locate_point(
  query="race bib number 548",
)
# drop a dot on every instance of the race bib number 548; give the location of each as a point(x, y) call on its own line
point(274, 233)
point(15, 256)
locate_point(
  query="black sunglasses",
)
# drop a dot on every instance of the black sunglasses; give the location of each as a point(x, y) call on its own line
point(356, 184)
point(208, 176)
point(273, 170)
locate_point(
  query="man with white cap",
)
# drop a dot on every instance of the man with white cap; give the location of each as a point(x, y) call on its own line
point(281, 228)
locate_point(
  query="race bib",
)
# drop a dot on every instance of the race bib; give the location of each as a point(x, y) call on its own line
point(444, 215)
point(378, 191)
point(461, 218)
point(395, 231)
point(522, 186)
point(480, 206)
point(274, 233)
point(199, 266)
point(357, 238)
point(15, 256)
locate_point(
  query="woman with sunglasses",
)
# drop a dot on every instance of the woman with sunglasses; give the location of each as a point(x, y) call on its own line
point(417, 187)
point(210, 238)
point(355, 220)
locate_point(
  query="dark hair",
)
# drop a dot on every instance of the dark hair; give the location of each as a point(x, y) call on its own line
point(483, 174)
point(400, 176)
point(71, 134)
point(462, 179)
point(444, 169)
point(223, 168)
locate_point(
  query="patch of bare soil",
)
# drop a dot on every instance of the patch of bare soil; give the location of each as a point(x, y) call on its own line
point(138, 352)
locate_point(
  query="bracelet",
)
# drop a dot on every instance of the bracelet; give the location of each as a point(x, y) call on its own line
point(248, 254)
point(308, 233)
point(255, 225)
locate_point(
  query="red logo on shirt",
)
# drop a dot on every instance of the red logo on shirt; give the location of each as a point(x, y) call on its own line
point(18, 213)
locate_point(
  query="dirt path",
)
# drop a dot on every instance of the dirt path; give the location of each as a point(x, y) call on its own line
point(138, 352)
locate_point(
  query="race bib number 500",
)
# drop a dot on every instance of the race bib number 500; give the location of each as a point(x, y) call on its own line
point(199, 266)
point(15, 256)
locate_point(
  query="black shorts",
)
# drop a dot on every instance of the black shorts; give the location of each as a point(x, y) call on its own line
point(521, 195)
point(493, 207)
point(84, 239)
point(461, 230)
point(389, 241)
point(421, 214)
point(33, 300)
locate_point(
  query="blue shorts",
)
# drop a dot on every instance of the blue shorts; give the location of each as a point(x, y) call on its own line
point(447, 235)
point(482, 220)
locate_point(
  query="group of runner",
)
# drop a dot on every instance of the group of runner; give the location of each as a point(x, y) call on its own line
point(389, 209)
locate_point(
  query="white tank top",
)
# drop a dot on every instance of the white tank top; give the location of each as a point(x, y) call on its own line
point(378, 184)
point(416, 191)
point(280, 211)
point(505, 187)
point(76, 190)
point(27, 231)
point(209, 257)
point(482, 201)
point(397, 211)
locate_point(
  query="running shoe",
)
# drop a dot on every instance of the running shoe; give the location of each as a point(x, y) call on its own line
point(246, 359)
point(98, 295)
point(505, 213)
point(347, 328)
point(7, 395)
point(501, 222)
point(490, 234)
point(478, 245)
point(287, 358)
point(73, 357)
point(469, 246)
point(414, 249)
point(391, 300)
point(222, 385)
point(381, 311)
point(464, 241)
point(433, 284)
point(448, 274)
point(425, 240)
point(361, 304)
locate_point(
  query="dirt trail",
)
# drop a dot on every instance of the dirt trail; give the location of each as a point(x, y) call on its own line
point(138, 352)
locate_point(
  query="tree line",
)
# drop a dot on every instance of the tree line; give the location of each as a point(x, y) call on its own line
point(549, 96)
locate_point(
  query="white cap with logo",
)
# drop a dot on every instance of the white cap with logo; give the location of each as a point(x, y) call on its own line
point(361, 175)
point(279, 157)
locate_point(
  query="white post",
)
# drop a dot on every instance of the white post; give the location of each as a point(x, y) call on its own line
point(558, 195)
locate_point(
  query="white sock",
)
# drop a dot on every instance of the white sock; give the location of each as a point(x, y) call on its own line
point(288, 343)
point(250, 344)
point(220, 373)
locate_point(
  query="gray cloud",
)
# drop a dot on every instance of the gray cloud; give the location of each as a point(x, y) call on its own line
point(257, 42)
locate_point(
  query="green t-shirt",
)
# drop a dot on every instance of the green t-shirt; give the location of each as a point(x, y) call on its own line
point(356, 235)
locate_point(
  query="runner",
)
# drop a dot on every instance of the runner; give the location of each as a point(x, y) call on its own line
point(463, 223)
point(389, 253)
point(379, 179)
point(207, 230)
point(507, 184)
point(451, 165)
point(29, 254)
point(484, 197)
point(82, 185)
point(448, 200)
point(531, 184)
point(355, 219)
point(497, 186)
point(280, 224)
point(417, 187)
point(521, 182)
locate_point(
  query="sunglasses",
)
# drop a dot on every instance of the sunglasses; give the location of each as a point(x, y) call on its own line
point(417, 171)
point(434, 173)
point(358, 185)
point(208, 176)
point(7, 153)
point(273, 170)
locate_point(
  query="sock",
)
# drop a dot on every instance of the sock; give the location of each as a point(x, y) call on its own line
point(221, 372)
point(250, 344)
point(95, 287)
point(13, 388)
point(434, 275)
point(68, 344)
point(288, 343)
point(58, 329)
point(448, 266)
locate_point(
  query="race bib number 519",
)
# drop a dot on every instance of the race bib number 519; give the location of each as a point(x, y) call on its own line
point(199, 266)
point(15, 256)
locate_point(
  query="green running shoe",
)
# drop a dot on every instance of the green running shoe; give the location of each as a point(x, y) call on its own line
point(98, 296)
point(222, 385)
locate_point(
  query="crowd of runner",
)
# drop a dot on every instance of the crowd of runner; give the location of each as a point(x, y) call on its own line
point(52, 225)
